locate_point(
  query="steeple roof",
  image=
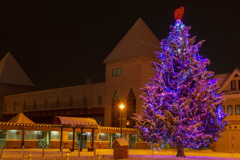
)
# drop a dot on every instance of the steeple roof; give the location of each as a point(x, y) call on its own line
point(139, 41)
point(20, 118)
point(12, 73)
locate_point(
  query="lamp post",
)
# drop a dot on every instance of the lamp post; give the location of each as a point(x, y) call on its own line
point(121, 108)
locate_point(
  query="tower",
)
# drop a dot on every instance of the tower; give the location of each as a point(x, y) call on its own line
point(13, 79)
point(128, 68)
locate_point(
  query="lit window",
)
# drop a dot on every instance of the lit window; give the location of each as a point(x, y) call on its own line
point(233, 85)
point(14, 106)
point(99, 98)
point(70, 135)
point(55, 135)
point(237, 109)
point(229, 109)
point(104, 137)
point(116, 72)
point(89, 136)
point(30, 135)
point(14, 134)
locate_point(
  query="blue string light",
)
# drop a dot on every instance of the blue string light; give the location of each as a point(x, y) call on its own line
point(181, 104)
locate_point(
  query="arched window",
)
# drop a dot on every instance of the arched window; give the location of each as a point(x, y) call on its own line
point(24, 105)
point(34, 104)
point(45, 103)
point(99, 98)
point(131, 108)
point(14, 106)
point(115, 110)
point(85, 99)
point(70, 103)
point(57, 102)
point(5, 107)
point(116, 96)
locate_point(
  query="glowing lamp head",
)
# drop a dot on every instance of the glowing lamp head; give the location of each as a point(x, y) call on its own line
point(121, 106)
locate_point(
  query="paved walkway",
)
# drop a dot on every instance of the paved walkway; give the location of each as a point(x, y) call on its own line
point(107, 154)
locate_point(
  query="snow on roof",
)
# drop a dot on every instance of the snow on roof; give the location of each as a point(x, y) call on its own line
point(139, 41)
point(221, 78)
point(11, 72)
point(77, 122)
point(20, 118)
point(121, 141)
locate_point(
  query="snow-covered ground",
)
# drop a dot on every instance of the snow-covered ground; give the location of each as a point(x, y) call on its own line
point(107, 154)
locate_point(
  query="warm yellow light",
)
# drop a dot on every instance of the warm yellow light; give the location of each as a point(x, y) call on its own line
point(121, 106)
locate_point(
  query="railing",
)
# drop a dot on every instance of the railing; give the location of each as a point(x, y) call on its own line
point(61, 105)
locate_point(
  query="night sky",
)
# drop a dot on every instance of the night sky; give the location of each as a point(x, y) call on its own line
point(61, 43)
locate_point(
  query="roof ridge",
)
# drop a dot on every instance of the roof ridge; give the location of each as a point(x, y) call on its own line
point(138, 41)
point(12, 73)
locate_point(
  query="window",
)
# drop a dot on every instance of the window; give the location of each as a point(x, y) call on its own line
point(34, 104)
point(84, 100)
point(229, 109)
point(116, 72)
point(24, 105)
point(45, 103)
point(14, 106)
point(100, 98)
point(70, 103)
point(237, 109)
point(233, 85)
point(116, 96)
point(89, 136)
point(14, 134)
point(57, 102)
point(104, 137)
point(70, 136)
point(55, 135)
point(30, 135)
point(5, 107)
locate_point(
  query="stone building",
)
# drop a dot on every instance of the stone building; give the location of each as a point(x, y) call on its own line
point(128, 68)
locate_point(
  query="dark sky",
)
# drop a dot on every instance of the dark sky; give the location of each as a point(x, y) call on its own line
point(61, 43)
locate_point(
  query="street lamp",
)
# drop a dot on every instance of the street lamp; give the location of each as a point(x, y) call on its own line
point(121, 108)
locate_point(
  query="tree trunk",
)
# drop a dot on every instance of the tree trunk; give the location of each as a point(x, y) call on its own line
point(180, 151)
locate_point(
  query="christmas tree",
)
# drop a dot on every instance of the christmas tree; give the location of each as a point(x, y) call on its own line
point(181, 103)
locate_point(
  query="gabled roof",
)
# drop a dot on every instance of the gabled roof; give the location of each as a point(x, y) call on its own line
point(228, 79)
point(12, 73)
point(20, 118)
point(121, 142)
point(221, 78)
point(139, 41)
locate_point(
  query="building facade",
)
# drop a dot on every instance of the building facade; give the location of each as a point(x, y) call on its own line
point(128, 69)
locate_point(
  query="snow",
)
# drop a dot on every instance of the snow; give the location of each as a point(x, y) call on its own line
point(107, 154)
point(121, 141)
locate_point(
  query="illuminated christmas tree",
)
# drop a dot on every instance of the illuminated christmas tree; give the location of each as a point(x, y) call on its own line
point(181, 103)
